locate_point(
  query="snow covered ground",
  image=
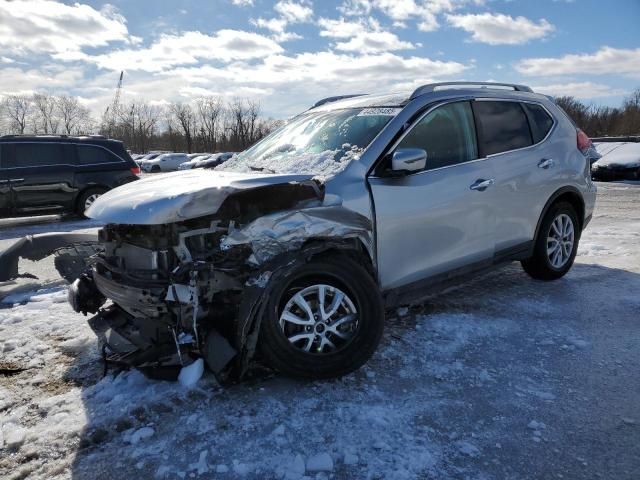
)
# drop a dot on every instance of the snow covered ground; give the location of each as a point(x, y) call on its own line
point(502, 377)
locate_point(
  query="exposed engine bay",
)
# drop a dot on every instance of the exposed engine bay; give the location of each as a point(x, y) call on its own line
point(162, 295)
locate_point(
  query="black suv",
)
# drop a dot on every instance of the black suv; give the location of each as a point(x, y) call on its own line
point(59, 174)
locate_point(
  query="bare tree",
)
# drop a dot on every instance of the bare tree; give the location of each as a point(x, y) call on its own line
point(186, 119)
point(46, 119)
point(16, 110)
point(75, 117)
point(210, 110)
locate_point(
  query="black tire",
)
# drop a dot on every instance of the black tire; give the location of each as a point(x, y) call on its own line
point(539, 266)
point(155, 169)
point(82, 199)
point(356, 282)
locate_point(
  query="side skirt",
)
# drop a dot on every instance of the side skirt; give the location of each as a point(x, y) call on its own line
point(416, 291)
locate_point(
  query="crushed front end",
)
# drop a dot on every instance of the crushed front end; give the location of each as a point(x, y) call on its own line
point(169, 285)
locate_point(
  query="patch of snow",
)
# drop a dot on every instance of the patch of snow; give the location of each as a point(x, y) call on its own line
point(190, 374)
point(321, 462)
point(14, 435)
point(141, 434)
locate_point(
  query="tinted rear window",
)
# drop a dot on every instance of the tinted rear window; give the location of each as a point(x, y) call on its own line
point(36, 154)
point(540, 121)
point(88, 155)
point(502, 126)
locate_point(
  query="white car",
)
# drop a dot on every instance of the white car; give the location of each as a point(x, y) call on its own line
point(193, 162)
point(166, 162)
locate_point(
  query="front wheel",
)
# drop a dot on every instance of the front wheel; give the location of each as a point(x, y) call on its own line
point(324, 321)
point(556, 245)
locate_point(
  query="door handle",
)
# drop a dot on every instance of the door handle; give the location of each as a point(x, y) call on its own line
point(546, 163)
point(481, 185)
point(16, 180)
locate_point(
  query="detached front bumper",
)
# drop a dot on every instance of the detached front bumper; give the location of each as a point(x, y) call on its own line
point(37, 247)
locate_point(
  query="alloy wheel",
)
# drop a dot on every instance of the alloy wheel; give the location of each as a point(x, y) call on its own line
point(319, 319)
point(560, 240)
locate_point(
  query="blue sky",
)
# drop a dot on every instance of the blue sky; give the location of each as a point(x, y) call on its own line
point(288, 53)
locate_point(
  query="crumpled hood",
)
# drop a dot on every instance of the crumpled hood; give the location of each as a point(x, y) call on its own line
point(178, 196)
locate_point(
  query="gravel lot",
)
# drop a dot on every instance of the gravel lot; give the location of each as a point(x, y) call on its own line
point(500, 378)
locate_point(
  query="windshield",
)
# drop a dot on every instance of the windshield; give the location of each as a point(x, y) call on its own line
point(316, 143)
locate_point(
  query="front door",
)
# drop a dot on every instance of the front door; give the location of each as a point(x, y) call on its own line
point(441, 219)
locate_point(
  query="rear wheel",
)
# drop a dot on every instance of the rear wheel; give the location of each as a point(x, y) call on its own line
point(325, 321)
point(155, 169)
point(86, 199)
point(557, 243)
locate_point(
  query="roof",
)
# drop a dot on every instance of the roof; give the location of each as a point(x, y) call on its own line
point(93, 139)
point(443, 89)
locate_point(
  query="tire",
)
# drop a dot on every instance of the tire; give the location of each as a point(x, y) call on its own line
point(89, 195)
point(551, 266)
point(155, 169)
point(362, 330)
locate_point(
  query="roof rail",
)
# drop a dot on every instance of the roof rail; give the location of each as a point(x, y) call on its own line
point(335, 99)
point(431, 87)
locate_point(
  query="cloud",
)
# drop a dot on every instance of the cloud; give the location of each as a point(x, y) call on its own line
point(243, 3)
point(373, 42)
point(15, 80)
point(606, 61)
point(43, 26)
point(364, 36)
point(579, 90)
point(186, 48)
point(294, 12)
point(500, 29)
point(424, 11)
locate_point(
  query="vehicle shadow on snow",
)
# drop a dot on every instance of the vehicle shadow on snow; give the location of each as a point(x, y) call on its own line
point(470, 383)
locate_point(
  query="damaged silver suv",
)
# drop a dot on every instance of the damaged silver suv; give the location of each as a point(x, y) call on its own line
point(290, 252)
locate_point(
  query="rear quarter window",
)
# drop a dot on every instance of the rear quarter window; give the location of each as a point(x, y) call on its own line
point(540, 121)
point(502, 126)
point(90, 155)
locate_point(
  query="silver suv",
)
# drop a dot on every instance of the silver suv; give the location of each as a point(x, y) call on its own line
point(289, 252)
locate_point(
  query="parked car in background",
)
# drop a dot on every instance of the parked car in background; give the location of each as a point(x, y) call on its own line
point(295, 247)
point(619, 161)
point(215, 160)
point(167, 162)
point(59, 174)
point(188, 165)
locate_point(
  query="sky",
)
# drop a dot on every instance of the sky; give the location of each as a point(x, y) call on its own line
point(287, 54)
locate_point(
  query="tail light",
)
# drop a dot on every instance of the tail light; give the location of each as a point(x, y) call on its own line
point(584, 142)
point(135, 170)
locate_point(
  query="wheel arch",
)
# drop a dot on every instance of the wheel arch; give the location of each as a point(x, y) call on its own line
point(85, 189)
point(567, 194)
point(353, 248)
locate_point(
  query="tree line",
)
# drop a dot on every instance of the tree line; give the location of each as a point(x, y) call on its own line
point(207, 124)
point(601, 121)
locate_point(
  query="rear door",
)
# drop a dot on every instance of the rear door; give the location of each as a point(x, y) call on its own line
point(41, 177)
point(439, 220)
point(523, 168)
point(5, 189)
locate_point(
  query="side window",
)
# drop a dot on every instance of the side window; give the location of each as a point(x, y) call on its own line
point(88, 155)
point(36, 154)
point(539, 120)
point(447, 134)
point(502, 126)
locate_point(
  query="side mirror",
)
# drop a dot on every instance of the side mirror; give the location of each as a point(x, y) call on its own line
point(406, 160)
